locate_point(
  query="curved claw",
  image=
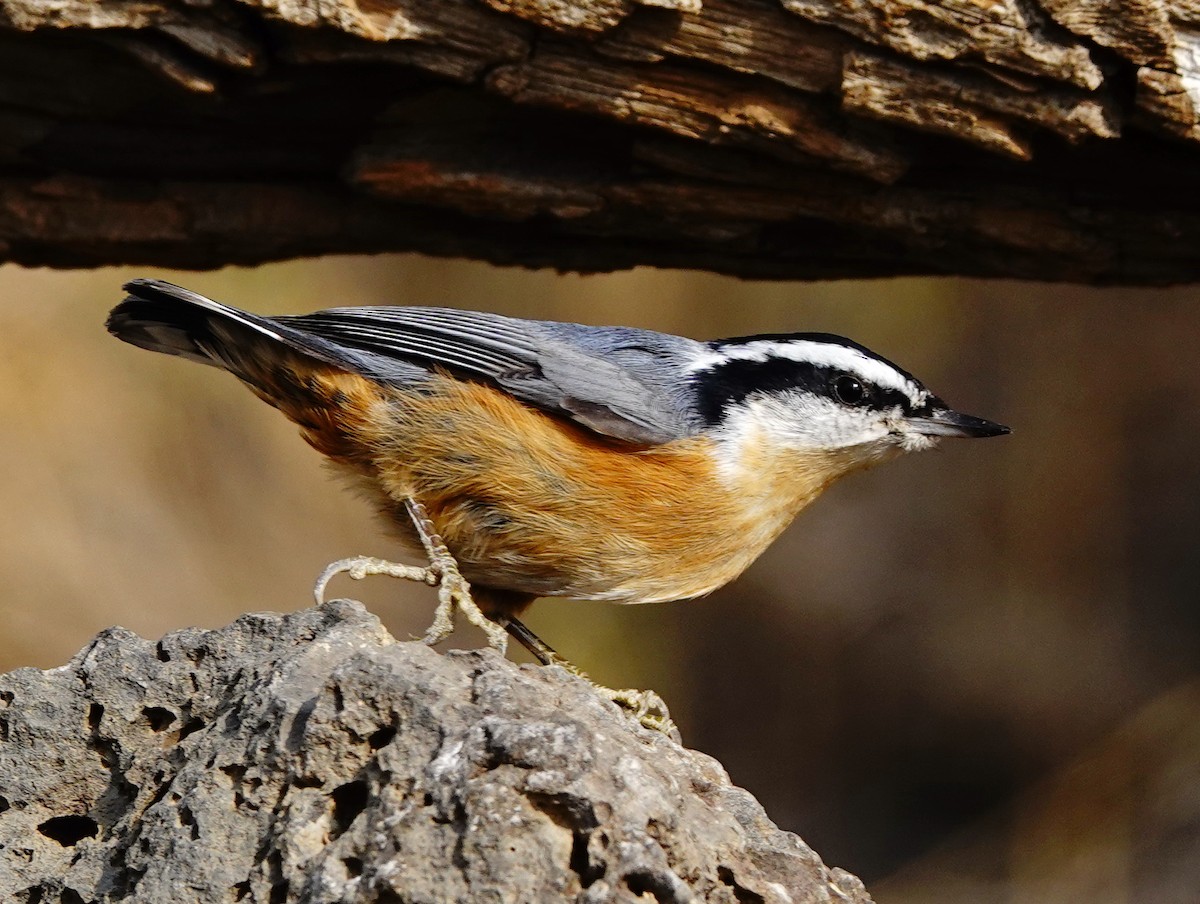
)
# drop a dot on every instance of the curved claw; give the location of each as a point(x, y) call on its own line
point(359, 567)
point(647, 707)
point(454, 596)
point(454, 593)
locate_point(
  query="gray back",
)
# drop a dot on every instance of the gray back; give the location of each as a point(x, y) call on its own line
point(629, 384)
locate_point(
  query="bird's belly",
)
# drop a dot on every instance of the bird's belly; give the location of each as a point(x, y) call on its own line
point(620, 547)
point(598, 555)
point(529, 503)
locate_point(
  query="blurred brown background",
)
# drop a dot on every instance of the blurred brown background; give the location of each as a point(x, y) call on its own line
point(966, 676)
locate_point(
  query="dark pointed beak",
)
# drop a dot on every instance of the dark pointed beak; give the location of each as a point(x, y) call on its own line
point(945, 422)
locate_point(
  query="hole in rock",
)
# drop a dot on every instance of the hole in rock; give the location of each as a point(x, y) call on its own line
point(159, 718)
point(191, 726)
point(382, 737)
point(740, 892)
point(642, 882)
point(68, 830)
point(349, 800)
point(581, 863)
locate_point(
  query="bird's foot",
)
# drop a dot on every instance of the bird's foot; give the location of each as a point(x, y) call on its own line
point(454, 593)
point(647, 707)
point(454, 596)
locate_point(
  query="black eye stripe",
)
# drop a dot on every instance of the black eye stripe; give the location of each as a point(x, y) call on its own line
point(736, 380)
point(892, 398)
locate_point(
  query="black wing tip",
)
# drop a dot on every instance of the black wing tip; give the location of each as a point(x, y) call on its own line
point(116, 319)
point(151, 302)
point(139, 292)
point(155, 289)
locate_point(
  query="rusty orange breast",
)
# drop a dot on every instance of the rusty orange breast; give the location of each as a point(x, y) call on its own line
point(529, 502)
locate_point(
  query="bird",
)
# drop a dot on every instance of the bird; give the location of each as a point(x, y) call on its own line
point(535, 458)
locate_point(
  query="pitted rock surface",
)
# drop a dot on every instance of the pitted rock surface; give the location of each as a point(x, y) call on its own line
point(313, 758)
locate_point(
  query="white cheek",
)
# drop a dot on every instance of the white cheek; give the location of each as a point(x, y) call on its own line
point(806, 423)
point(799, 424)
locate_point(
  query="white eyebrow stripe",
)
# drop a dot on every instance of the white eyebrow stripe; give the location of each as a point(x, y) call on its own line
point(820, 354)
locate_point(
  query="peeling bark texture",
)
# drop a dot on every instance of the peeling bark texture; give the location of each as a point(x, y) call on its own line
point(1044, 139)
point(312, 758)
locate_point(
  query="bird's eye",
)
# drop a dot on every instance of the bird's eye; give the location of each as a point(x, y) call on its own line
point(848, 390)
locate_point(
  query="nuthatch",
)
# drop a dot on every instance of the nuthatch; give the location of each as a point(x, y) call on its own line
point(532, 458)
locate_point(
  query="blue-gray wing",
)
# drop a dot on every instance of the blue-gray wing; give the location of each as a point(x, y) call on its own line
point(625, 383)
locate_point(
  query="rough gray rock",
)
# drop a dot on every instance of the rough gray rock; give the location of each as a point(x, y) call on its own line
point(311, 757)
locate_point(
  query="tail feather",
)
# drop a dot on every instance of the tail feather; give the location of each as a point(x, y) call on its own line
point(316, 384)
point(163, 317)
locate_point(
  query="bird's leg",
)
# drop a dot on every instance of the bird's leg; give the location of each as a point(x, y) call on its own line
point(646, 706)
point(454, 593)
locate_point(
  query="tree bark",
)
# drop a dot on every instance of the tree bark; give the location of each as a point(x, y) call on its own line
point(771, 138)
